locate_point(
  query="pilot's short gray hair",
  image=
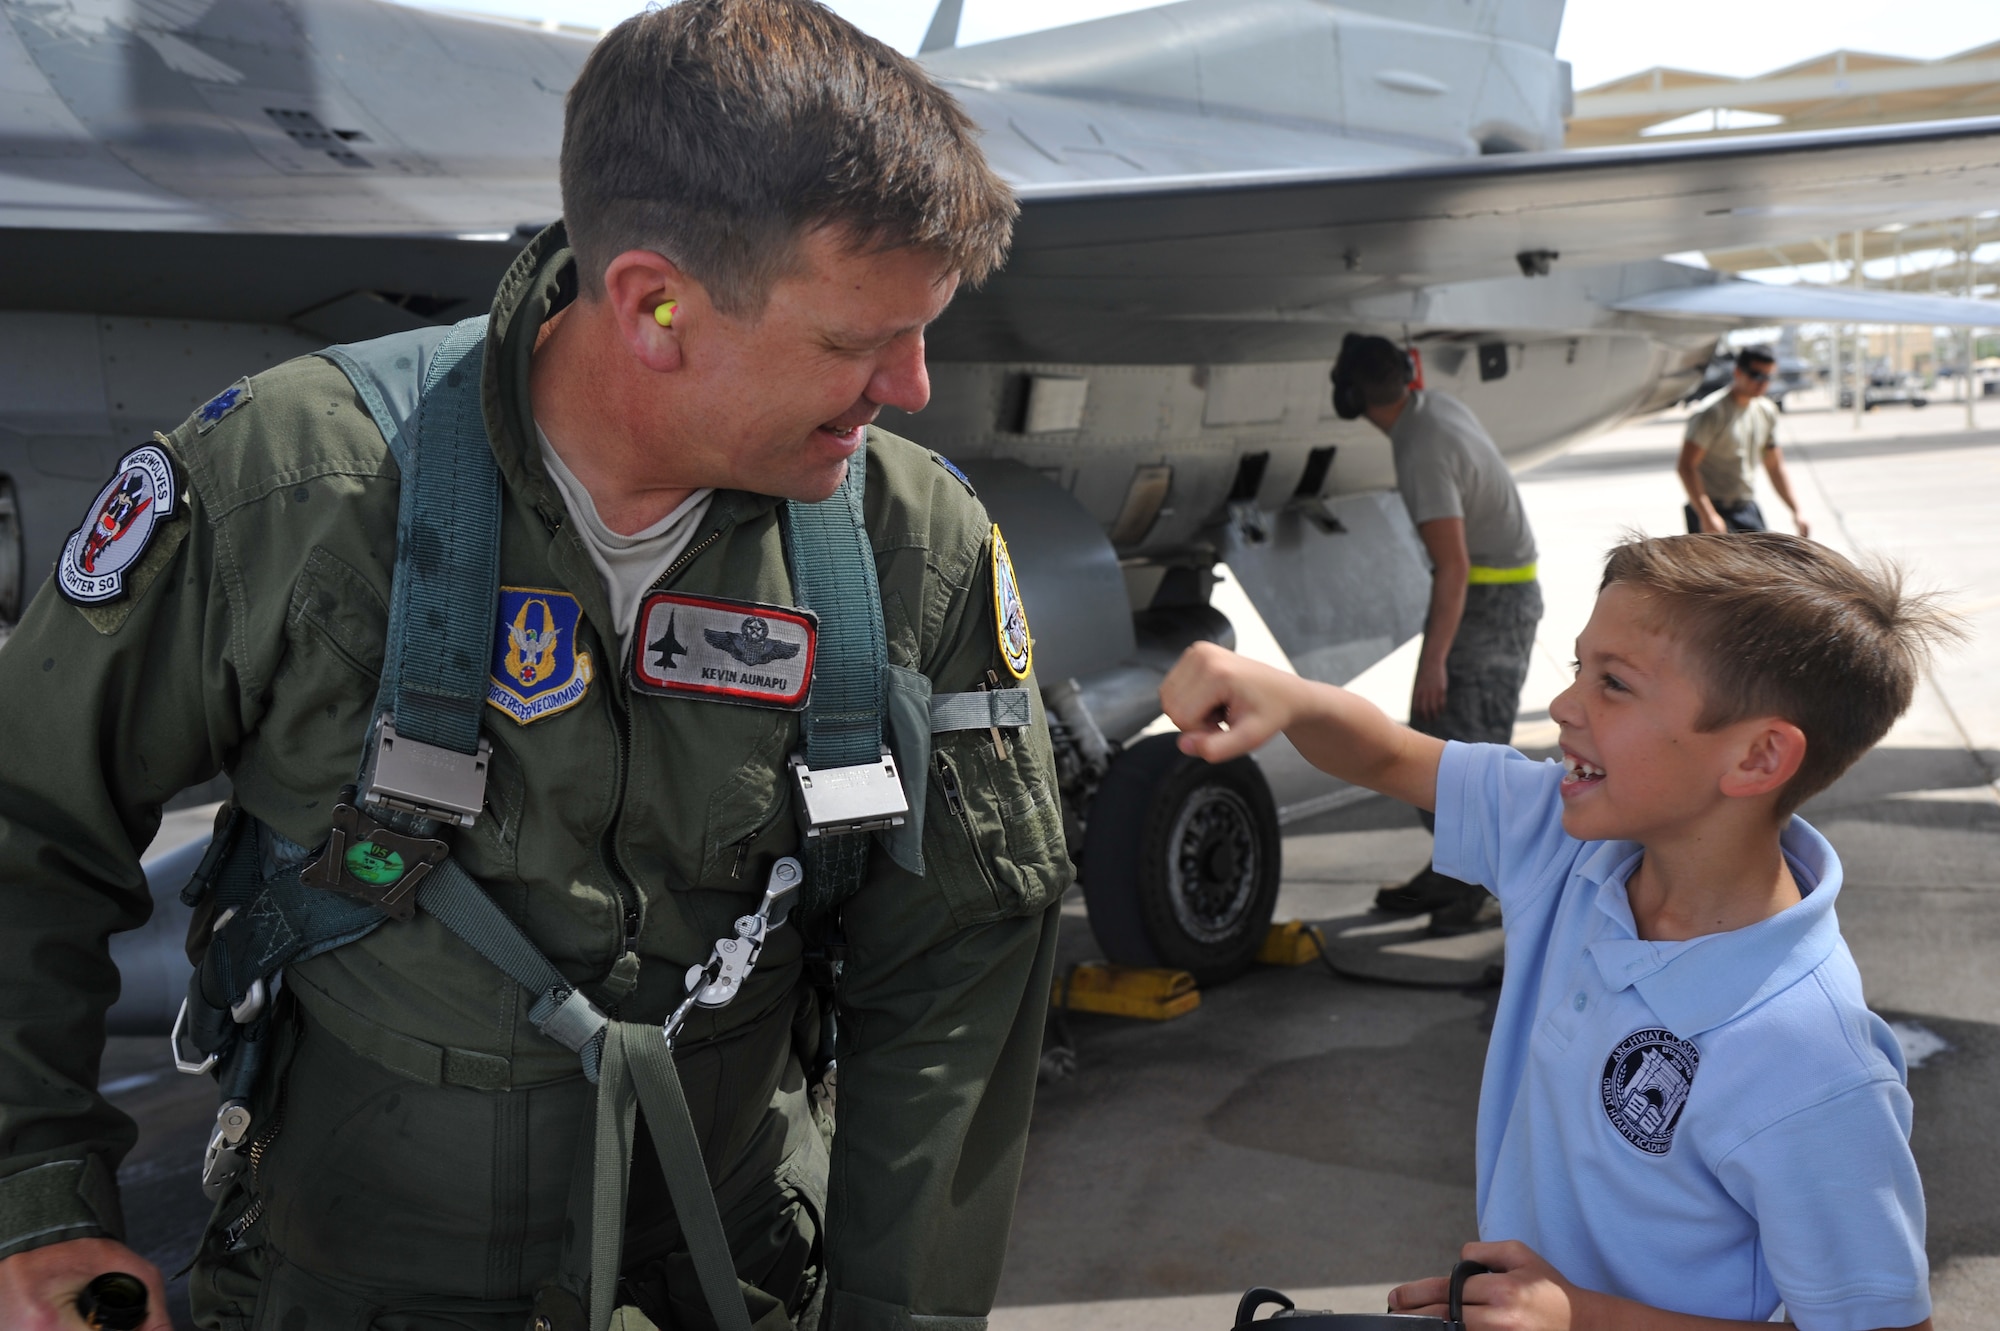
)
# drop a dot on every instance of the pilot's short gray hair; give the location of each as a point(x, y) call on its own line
point(719, 132)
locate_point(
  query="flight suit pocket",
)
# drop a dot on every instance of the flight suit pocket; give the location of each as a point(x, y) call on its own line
point(749, 813)
point(333, 604)
point(995, 840)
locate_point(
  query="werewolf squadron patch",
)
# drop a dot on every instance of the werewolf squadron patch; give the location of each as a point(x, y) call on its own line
point(1010, 616)
point(1646, 1085)
point(537, 669)
point(731, 651)
point(120, 525)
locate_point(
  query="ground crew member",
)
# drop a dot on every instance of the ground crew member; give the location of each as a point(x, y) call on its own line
point(1724, 440)
point(764, 209)
point(1485, 601)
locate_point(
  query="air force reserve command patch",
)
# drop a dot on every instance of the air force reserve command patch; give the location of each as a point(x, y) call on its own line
point(1010, 617)
point(120, 525)
point(1646, 1085)
point(537, 669)
point(731, 651)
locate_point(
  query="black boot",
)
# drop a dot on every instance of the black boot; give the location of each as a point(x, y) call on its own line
point(1427, 891)
point(1471, 910)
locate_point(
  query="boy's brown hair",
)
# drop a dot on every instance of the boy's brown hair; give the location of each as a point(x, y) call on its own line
point(718, 132)
point(1779, 626)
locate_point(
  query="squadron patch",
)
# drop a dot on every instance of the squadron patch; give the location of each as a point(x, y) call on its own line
point(1646, 1085)
point(213, 410)
point(1010, 617)
point(732, 651)
point(537, 669)
point(121, 523)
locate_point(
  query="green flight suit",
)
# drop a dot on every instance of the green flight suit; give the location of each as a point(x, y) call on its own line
point(425, 1133)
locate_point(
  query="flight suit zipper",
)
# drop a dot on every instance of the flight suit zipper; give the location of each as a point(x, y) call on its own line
point(622, 878)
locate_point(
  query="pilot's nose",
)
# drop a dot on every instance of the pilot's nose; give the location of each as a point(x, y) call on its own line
point(901, 378)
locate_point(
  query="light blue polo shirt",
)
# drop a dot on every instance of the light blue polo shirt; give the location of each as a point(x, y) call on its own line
point(1708, 1126)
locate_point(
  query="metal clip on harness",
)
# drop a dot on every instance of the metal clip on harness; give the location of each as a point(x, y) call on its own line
point(716, 982)
point(862, 798)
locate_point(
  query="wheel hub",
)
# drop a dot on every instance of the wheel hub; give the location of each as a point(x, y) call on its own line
point(1212, 864)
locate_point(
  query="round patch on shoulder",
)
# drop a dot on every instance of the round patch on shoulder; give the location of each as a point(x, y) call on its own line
point(1646, 1085)
point(121, 523)
point(1010, 616)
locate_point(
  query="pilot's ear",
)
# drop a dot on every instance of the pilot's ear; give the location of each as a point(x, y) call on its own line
point(639, 285)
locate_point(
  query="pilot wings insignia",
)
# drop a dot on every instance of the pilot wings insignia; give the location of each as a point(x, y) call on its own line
point(753, 644)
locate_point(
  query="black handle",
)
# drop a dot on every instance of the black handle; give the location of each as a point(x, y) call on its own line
point(113, 1302)
point(1257, 1298)
point(1461, 1273)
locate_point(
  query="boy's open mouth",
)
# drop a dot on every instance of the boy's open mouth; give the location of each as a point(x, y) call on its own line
point(1579, 774)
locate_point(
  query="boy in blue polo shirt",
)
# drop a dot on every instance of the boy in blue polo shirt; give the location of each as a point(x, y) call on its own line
point(1688, 1114)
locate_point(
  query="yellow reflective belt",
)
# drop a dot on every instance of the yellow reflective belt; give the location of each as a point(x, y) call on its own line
point(1479, 575)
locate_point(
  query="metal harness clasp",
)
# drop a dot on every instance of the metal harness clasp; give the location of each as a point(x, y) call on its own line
point(411, 776)
point(716, 982)
point(861, 798)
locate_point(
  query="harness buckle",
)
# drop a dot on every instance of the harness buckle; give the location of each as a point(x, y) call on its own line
point(225, 1158)
point(366, 859)
point(863, 798)
point(411, 776)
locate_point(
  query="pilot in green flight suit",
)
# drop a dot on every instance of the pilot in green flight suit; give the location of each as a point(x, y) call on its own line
point(416, 1135)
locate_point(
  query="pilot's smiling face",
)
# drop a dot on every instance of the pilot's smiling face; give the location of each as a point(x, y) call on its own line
point(784, 396)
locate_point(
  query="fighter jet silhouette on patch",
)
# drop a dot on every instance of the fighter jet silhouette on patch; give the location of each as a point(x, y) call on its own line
point(754, 646)
point(669, 647)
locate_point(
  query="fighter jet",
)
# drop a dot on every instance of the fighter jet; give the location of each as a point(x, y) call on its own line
point(1213, 193)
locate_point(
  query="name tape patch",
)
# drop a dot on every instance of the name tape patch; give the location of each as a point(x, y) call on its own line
point(1646, 1084)
point(119, 526)
point(732, 651)
point(537, 669)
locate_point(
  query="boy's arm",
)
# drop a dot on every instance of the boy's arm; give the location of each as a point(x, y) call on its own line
point(1525, 1293)
point(1227, 705)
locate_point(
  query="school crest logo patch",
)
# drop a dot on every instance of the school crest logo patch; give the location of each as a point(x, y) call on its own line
point(119, 527)
point(537, 669)
point(732, 651)
point(1010, 616)
point(1646, 1085)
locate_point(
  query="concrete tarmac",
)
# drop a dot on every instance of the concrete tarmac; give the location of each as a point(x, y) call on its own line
point(1315, 1133)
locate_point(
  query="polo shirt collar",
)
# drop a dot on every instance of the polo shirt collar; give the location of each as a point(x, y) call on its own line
point(1700, 983)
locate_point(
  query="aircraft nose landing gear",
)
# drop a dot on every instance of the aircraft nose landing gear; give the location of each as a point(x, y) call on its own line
point(1180, 861)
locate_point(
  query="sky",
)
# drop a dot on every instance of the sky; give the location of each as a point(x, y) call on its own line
point(1603, 39)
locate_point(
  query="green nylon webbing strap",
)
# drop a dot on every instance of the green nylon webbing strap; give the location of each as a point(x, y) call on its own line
point(447, 576)
point(638, 1070)
point(833, 574)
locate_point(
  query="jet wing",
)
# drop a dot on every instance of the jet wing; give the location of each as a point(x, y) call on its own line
point(1277, 247)
point(1767, 303)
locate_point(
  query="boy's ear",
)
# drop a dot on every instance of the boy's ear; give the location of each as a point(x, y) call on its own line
point(1770, 757)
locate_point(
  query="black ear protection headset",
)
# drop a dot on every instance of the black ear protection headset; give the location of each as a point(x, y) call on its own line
point(1348, 402)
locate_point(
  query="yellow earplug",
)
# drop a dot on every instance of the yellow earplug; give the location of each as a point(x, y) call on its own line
point(664, 314)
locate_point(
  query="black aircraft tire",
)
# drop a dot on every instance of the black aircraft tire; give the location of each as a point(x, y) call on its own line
point(1181, 861)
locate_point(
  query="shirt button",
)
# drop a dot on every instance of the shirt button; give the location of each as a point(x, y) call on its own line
point(1581, 1002)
